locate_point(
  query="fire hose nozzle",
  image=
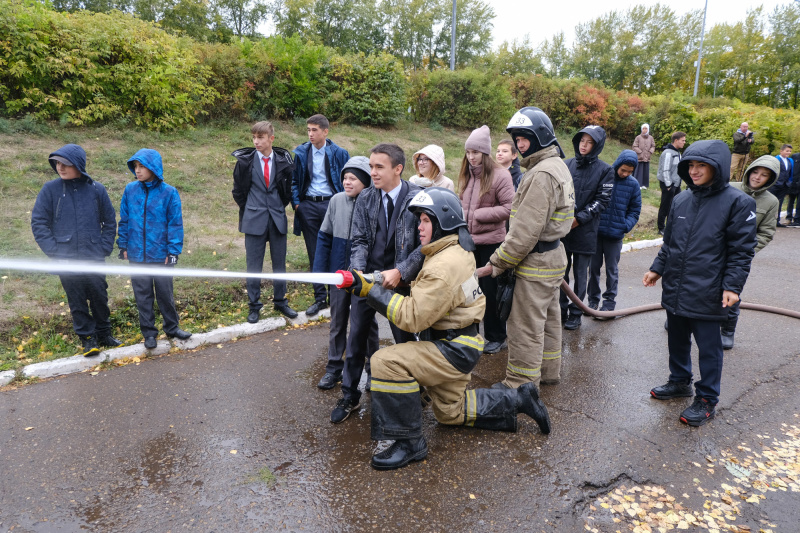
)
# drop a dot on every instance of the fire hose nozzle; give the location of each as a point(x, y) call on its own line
point(347, 279)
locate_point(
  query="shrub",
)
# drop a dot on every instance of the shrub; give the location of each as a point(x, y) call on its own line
point(462, 98)
point(365, 89)
point(87, 67)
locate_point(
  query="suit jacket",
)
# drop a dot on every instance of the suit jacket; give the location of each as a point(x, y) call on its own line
point(257, 204)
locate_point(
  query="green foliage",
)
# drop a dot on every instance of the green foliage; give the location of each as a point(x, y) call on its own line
point(366, 89)
point(84, 68)
point(462, 98)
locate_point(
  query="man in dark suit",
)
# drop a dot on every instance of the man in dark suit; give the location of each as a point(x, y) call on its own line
point(262, 182)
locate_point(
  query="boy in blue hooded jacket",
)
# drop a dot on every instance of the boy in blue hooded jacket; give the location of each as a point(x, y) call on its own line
point(616, 220)
point(73, 219)
point(151, 233)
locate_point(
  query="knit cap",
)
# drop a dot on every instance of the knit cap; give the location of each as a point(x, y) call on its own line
point(359, 167)
point(480, 141)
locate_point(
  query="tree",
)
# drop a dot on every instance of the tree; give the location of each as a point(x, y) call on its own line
point(556, 56)
point(243, 16)
point(473, 30)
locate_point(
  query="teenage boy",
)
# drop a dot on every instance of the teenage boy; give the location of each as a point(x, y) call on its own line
point(333, 253)
point(262, 190)
point(668, 178)
point(73, 219)
point(151, 233)
point(593, 180)
point(385, 239)
point(316, 178)
point(506, 157)
point(616, 220)
point(709, 242)
point(755, 183)
point(785, 180)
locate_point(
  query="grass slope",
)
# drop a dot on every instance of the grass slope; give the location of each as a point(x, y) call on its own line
point(34, 317)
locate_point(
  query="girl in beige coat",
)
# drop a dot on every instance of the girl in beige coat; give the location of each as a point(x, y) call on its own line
point(429, 164)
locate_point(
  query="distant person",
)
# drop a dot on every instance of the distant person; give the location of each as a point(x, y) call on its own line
point(756, 181)
point(315, 179)
point(486, 196)
point(593, 180)
point(644, 145)
point(709, 243)
point(73, 219)
point(506, 157)
point(429, 164)
point(262, 190)
point(742, 143)
point(616, 220)
point(668, 178)
point(333, 253)
point(151, 234)
point(385, 239)
point(785, 182)
point(794, 193)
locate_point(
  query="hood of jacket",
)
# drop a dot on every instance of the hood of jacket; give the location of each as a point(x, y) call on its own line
point(626, 157)
point(75, 155)
point(766, 161)
point(150, 159)
point(435, 154)
point(715, 153)
point(598, 134)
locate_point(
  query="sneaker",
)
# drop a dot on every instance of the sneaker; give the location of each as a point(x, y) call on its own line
point(593, 305)
point(794, 225)
point(780, 225)
point(89, 346)
point(400, 453)
point(108, 341)
point(329, 380)
point(727, 340)
point(494, 347)
point(342, 410)
point(698, 413)
point(573, 322)
point(672, 389)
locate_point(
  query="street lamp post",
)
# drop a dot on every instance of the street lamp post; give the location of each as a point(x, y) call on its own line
point(453, 39)
point(700, 53)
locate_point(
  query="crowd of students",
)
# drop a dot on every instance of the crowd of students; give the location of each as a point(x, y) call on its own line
point(436, 256)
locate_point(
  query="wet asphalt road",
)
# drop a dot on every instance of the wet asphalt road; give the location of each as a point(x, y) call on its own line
point(150, 447)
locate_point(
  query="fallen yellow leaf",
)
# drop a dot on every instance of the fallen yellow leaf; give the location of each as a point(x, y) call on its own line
point(234, 452)
point(29, 428)
point(471, 496)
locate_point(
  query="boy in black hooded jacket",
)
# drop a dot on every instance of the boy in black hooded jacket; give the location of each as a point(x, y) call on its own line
point(709, 242)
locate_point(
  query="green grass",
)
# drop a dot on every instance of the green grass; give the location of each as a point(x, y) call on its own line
point(34, 318)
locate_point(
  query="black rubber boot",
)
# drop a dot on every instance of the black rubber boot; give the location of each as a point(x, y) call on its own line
point(528, 402)
point(400, 454)
point(494, 409)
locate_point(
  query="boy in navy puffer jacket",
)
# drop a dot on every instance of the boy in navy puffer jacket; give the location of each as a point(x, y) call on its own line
point(73, 219)
point(616, 220)
point(151, 233)
point(333, 253)
point(709, 242)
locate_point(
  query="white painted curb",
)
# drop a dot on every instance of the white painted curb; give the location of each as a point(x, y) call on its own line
point(78, 363)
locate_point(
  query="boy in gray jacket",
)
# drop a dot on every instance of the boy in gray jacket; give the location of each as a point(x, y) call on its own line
point(333, 253)
point(668, 178)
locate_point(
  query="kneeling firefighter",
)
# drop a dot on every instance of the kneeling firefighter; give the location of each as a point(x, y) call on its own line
point(541, 215)
point(446, 305)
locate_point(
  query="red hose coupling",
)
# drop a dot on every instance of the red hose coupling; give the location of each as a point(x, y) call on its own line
point(347, 279)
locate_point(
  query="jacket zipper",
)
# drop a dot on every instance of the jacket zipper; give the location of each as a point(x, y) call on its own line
point(144, 225)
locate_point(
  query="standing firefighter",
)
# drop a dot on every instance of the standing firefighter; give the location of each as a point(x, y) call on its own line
point(541, 215)
point(446, 304)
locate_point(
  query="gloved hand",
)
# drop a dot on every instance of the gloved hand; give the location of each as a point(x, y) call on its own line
point(123, 254)
point(171, 260)
point(360, 286)
point(496, 271)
